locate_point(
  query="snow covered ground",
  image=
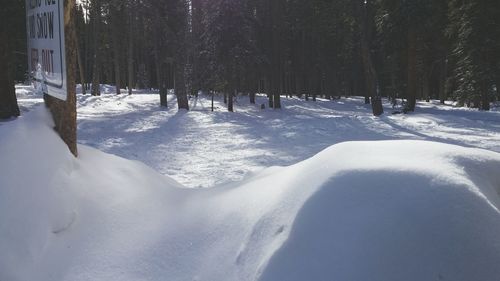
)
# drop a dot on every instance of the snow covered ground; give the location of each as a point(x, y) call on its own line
point(384, 210)
point(200, 148)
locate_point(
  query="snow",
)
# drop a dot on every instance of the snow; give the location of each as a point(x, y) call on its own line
point(359, 210)
point(226, 147)
point(201, 148)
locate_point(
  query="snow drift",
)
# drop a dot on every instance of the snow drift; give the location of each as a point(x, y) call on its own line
point(389, 210)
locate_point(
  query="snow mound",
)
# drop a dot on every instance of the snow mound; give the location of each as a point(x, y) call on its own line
point(395, 224)
point(388, 210)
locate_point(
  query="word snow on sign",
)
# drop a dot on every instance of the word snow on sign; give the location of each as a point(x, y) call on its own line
point(46, 53)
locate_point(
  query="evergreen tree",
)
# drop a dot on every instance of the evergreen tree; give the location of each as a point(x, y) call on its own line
point(475, 29)
point(228, 45)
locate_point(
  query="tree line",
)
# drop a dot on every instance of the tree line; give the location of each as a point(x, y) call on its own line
point(399, 49)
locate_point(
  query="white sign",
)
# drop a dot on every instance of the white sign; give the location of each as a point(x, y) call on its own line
point(46, 52)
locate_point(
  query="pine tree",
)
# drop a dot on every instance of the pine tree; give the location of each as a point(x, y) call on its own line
point(228, 45)
point(475, 28)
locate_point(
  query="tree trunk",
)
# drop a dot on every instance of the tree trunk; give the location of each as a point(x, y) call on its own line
point(277, 100)
point(180, 87)
point(8, 100)
point(252, 98)
point(130, 50)
point(485, 97)
point(96, 91)
point(86, 61)
point(277, 59)
point(115, 25)
point(442, 83)
point(81, 67)
point(161, 70)
point(212, 94)
point(130, 70)
point(163, 98)
point(267, 90)
point(426, 87)
point(64, 112)
point(275, 87)
point(497, 86)
point(412, 69)
point(230, 99)
point(368, 67)
point(298, 85)
point(161, 73)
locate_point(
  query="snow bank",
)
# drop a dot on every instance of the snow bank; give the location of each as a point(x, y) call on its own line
point(390, 210)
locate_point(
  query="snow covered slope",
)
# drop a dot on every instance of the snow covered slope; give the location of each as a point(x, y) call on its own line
point(387, 210)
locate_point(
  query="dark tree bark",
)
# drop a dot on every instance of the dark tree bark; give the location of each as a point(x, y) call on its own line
point(426, 87)
point(274, 42)
point(368, 67)
point(96, 18)
point(161, 73)
point(12, 22)
point(160, 64)
point(485, 97)
point(212, 99)
point(115, 30)
point(64, 112)
point(497, 86)
point(252, 98)
point(130, 49)
point(230, 101)
point(8, 100)
point(442, 82)
point(81, 64)
point(161, 70)
point(180, 87)
point(86, 50)
point(411, 89)
point(277, 101)
point(158, 70)
point(81, 68)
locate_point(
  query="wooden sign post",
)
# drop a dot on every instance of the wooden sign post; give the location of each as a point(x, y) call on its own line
point(52, 61)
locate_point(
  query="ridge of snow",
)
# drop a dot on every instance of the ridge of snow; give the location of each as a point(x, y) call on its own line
point(384, 210)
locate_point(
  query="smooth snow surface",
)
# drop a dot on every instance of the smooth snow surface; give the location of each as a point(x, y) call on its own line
point(383, 210)
point(200, 148)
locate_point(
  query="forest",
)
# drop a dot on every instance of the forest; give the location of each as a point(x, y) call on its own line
point(404, 50)
point(250, 140)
